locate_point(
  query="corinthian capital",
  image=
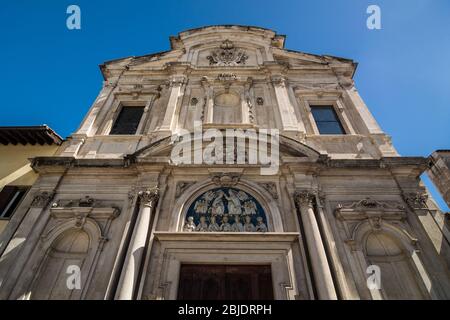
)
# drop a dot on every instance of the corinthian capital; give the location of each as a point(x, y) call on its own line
point(279, 81)
point(177, 81)
point(149, 197)
point(41, 199)
point(304, 198)
point(416, 200)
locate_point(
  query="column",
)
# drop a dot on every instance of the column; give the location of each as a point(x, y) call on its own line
point(130, 274)
point(287, 112)
point(321, 270)
point(88, 122)
point(176, 94)
point(17, 245)
point(352, 97)
point(209, 102)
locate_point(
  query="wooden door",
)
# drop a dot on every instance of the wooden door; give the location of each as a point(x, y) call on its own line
point(225, 282)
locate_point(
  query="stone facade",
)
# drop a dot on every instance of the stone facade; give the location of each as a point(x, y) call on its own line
point(439, 172)
point(118, 207)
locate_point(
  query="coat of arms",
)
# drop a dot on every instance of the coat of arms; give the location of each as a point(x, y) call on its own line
point(227, 55)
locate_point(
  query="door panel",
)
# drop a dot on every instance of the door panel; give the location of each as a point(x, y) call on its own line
point(225, 282)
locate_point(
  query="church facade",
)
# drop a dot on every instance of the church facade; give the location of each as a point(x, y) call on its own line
point(228, 167)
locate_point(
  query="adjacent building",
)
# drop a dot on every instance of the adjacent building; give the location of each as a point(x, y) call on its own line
point(154, 196)
point(17, 146)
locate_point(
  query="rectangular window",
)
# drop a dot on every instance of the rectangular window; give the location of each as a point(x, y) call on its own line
point(128, 120)
point(10, 197)
point(327, 120)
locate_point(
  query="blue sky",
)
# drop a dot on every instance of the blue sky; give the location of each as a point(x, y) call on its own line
point(50, 74)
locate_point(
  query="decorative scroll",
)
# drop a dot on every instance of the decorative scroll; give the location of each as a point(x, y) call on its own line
point(225, 210)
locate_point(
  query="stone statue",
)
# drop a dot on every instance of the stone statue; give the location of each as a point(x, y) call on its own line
point(250, 207)
point(208, 196)
point(213, 226)
point(234, 204)
point(189, 226)
point(237, 225)
point(202, 226)
point(225, 226)
point(248, 226)
point(242, 196)
point(261, 226)
point(218, 207)
point(201, 207)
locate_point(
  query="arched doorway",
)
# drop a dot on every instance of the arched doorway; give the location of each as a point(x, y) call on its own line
point(70, 249)
point(398, 278)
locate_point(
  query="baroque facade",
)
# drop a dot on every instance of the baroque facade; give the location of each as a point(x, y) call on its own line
point(114, 206)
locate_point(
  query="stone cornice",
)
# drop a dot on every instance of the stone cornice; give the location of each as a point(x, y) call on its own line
point(227, 236)
point(410, 166)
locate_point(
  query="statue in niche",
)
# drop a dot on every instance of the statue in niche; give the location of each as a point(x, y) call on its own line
point(217, 207)
point(189, 226)
point(213, 225)
point(250, 208)
point(248, 226)
point(225, 226)
point(202, 226)
point(234, 204)
point(260, 226)
point(237, 225)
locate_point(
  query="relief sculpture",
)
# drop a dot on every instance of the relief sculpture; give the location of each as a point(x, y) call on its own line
point(225, 210)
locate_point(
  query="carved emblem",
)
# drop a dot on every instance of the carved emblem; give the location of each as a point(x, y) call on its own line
point(227, 55)
point(226, 77)
point(194, 101)
point(86, 202)
point(226, 179)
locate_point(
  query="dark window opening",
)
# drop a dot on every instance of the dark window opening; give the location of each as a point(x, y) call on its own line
point(10, 197)
point(327, 120)
point(128, 120)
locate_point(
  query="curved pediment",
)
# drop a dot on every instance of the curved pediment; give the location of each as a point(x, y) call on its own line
point(226, 46)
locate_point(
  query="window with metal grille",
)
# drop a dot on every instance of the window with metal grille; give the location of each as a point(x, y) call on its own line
point(327, 120)
point(128, 120)
point(10, 197)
